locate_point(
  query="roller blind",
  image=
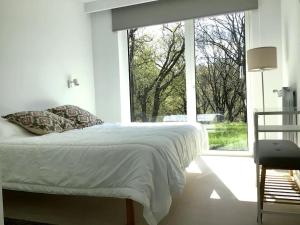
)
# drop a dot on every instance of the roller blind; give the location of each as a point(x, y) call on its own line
point(165, 11)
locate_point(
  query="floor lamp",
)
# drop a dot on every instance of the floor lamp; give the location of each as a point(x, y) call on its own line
point(260, 60)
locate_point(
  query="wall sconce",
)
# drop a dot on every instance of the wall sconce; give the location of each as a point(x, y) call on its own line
point(72, 83)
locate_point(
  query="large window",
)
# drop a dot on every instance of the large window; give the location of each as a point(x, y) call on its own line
point(221, 81)
point(157, 73)
point(158, 76)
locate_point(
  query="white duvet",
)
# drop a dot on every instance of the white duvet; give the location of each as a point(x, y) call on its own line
point(143, 162)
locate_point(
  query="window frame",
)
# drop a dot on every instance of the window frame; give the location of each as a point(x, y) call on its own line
point(190, 60)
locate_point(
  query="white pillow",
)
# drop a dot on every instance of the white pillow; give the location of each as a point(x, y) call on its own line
point(9, 130)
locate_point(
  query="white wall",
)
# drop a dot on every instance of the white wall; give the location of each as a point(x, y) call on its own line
point(291, 44)
point(264, 29)
point(291, 47)
point(106, 67)
point(43, 42)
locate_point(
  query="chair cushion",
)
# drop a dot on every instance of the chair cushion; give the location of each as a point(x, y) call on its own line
point(277, 154)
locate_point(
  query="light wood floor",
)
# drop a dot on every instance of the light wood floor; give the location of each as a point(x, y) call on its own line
point(219, 191)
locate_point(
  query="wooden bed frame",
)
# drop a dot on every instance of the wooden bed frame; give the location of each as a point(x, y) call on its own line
point(130, 215)
point(130, 212)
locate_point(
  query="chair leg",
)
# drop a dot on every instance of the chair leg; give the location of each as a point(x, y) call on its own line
point(130, 212)
point(257, 174)
point(261, 195)
point(258, 192)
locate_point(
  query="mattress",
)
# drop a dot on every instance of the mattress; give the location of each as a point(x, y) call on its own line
point(142, 162)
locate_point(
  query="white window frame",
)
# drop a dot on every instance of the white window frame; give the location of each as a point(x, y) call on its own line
point(124, 77)
point(190, 60)
point(190, 65)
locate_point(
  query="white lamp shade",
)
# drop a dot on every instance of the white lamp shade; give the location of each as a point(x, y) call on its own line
point(261, 59)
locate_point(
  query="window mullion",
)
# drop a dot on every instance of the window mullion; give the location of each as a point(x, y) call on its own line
point(124, 77)
point(190, 70)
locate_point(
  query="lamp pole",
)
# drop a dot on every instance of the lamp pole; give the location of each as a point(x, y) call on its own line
point(263, 94)
point(262, 59)
point(263, 97)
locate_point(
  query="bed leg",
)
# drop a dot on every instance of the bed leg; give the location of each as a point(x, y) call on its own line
point(130, 212)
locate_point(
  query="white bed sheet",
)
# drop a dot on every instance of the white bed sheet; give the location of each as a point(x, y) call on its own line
point(143, 162)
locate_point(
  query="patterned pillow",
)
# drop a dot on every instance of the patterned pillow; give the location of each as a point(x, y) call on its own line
point(40, 122)
point(80, 117)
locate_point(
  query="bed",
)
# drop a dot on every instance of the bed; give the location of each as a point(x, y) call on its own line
point(138, 162)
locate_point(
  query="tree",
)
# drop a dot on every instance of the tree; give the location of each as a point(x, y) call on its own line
point(155, 65)
point(220, 43)
point(157, 69)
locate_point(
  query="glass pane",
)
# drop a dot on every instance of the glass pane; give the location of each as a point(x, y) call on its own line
point(157, 73)
point(221, 80)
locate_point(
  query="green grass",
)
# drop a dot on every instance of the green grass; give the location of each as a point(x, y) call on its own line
point(228, 136)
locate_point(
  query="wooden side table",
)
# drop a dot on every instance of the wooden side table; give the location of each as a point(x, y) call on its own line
point(275, 154)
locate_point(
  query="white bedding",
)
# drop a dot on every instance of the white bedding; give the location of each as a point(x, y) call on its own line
point(143, 162)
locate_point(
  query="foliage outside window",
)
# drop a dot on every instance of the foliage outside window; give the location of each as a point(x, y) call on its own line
point(157, 72)
point(221, 79)
point(158, 79)
point(220, 66)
